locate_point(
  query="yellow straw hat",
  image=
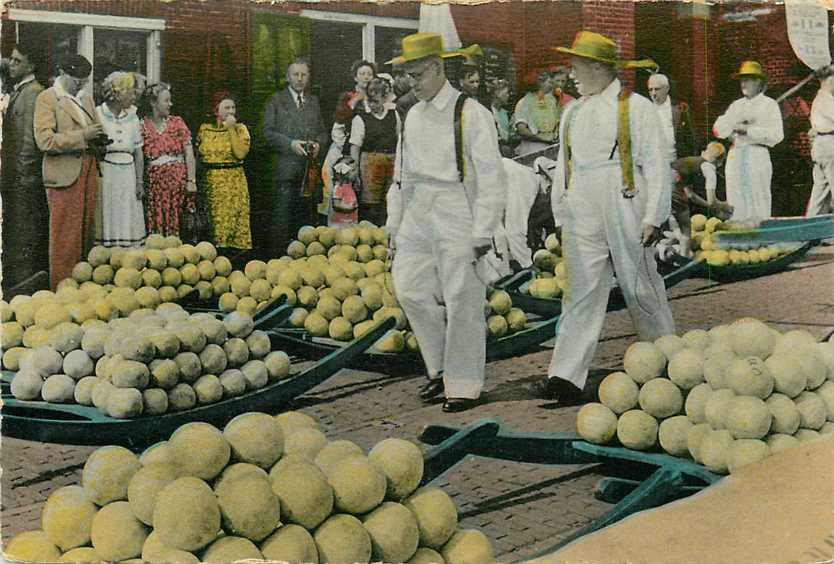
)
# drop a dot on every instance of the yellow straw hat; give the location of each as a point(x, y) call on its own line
point(597, 47)
point(421, 45)
point(750, 69)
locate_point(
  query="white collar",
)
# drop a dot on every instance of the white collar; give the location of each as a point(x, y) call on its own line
point(443, 96)
point(667, 104)
point(611, 92)
point(24, 81)
point(295, 93)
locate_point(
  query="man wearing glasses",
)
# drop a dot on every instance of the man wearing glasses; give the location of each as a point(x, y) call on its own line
point(25, 214)
point(68, 132)
point(443, 209)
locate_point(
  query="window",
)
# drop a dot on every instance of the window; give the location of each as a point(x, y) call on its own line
point(108, 42)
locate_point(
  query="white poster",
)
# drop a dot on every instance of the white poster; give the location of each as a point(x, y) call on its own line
point(437, 18)
point(808, 31)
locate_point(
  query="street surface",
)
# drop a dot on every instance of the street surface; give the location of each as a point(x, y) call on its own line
point(523, 508)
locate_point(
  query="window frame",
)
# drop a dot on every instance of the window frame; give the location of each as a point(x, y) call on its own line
point(88, 23)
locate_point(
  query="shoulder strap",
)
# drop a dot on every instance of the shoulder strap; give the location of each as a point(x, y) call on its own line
point(624, 143)
point(459, 133)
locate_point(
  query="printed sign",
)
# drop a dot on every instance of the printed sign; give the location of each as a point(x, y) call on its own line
point(808, 32)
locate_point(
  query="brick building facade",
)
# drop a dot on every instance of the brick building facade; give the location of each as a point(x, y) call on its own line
point(244, 45)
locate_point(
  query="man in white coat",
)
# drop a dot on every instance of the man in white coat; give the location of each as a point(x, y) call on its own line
point(754, 123)
point(442, 216)
point(822, 148)
point(611, 195)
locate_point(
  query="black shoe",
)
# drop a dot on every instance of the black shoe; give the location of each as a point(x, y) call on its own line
point(431, 390)
point(556, 389)
point(454, 405)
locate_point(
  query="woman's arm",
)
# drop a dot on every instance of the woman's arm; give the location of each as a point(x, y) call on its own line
point(139, 168)
point(191, 167)
point(239, 136)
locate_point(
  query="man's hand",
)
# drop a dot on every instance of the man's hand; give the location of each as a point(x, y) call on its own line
point(391, 244)
point(481, 247)
point(650, 236)
point(92, 131)
point(297, 146)
point(316, 149)
point(723, 210)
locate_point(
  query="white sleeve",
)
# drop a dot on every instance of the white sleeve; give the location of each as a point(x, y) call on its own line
point(725, 123)
point(708, 170)
point(520, 113)
point(656, 170)
point(558, 190)
point(394, 199)
point(481, 140)
point(357, 131)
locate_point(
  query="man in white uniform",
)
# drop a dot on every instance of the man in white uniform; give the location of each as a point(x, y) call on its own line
point(610, 200)
point(754, 123)
point(442, 226)
point(822, 149)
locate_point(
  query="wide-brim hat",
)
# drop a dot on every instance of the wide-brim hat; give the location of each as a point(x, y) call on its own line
point(597, 47)
point(418, 46)
point(750, 69)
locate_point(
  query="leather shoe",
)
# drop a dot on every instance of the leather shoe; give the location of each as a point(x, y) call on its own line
point(454, 405)
point(432, 389)
point(556, 389)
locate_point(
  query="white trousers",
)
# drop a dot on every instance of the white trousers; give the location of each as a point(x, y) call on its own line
point(522, 188)
point(601, 233)
point(748, 173)
point(822, 198)
point(436, 285)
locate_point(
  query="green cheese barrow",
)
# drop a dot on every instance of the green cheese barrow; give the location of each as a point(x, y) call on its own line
point(634, 481)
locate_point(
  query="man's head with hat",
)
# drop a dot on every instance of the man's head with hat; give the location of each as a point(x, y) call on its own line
point(594, 61)
point(74, 72)
point(752, 77)
point(422, 60)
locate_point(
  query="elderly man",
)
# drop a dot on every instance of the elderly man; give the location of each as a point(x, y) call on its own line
point(25, 213)
point(293, 127)
point(611, 195)
point(674, 117)
point(443, 210)
point(69, 133)
point(754, 123)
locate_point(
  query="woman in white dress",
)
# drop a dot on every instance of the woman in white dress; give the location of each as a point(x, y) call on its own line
point(120, 217)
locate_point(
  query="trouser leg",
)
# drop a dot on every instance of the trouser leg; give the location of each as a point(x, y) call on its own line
point(820, 201)
point(586, 301)
point(418, 291)
point(284, 217)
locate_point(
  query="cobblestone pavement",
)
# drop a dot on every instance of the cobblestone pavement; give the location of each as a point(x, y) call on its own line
point(523, 508)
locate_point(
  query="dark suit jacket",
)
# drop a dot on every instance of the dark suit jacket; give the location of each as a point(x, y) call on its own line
point(283, 122)
point(21, 156)
point(684, 134)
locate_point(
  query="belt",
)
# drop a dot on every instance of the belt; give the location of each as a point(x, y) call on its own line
point(166, 159)
point(118, 162)
point(222, 165)
point(825, 132)
point(595, 165)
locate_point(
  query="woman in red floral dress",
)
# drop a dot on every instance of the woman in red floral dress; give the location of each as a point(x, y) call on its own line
point(169, 156)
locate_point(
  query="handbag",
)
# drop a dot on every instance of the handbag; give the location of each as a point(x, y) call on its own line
point(195, 220)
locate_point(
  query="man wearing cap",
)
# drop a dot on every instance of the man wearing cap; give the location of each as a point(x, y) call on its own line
point(754, 123)
point(610, 195)
point(443, 210)
point(68, 132)
point(25, 213)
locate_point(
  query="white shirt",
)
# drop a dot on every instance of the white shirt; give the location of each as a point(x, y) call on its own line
point(593, 122)
point(822, 120)
point(428, 157)
point(664, 112)
point(764, 119)
point(296, 96)
point(357, 127)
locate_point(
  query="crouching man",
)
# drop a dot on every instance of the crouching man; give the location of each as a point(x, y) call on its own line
point(445, 205)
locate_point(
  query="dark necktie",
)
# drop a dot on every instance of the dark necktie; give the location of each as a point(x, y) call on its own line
point(300, 102)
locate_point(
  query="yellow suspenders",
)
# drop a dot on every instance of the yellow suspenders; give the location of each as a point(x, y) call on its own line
point(623, 145)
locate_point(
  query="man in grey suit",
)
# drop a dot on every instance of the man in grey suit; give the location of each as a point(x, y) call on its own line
point(294, 128)
point(25, 212)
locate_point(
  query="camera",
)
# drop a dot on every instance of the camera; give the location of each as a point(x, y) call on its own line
point(101, 139)
point(309, 147)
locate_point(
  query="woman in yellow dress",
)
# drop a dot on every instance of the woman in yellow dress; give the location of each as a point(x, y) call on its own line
point(222, 146)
